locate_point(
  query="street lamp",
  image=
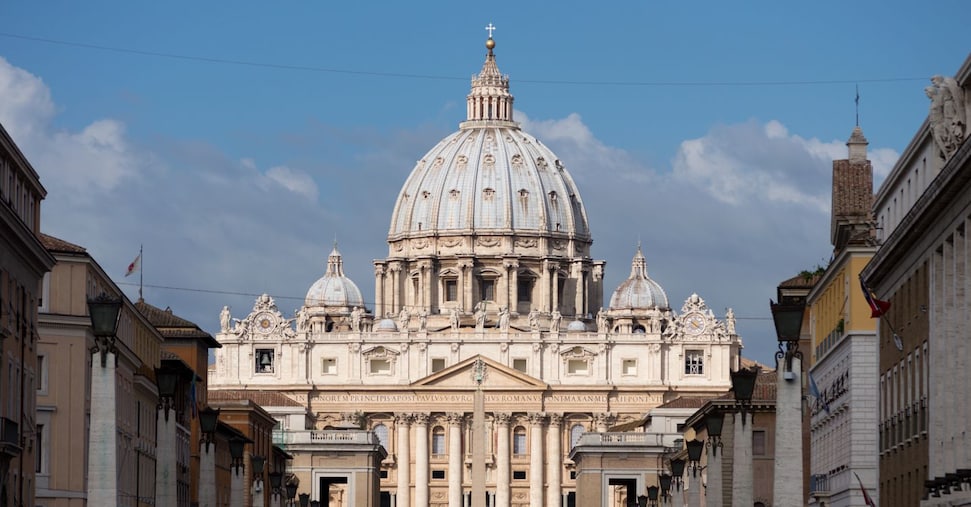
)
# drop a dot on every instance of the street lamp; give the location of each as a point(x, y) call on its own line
point(104, 311)
point(102, 473)
point(167, 380)
point(788, 327)
point(714, 422)
point(276, 481)
point(291, 491)
point(695, 448)
point(743, 386)
point(236, 446)
point(652, 492)
point(665, 480)
point(304, 500)
point(677, 472)
point(208, 418)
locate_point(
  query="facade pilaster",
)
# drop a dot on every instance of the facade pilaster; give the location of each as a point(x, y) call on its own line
point(207, 475)
point(236, 485)
point(402, 425)
point(502, 460)
point(536, 459)
point(166, 471)
point(421, 460)
point(554, 461)
point(713, 490)
point(455, 462)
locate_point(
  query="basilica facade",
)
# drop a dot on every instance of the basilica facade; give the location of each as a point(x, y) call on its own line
point(489, 295)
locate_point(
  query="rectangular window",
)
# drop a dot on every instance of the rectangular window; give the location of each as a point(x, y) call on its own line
point(438, 444)
point(328, 366)
point(42, 374)
point(39, 448)
point(519, 443)
point(487, 289)
point(380, 367)
point(438, 364)
point(680, 428)
point(519, 364)
point(758, 442)
point(577, 367)
point(524, 290)
point(451, 290)
point(438, 474)
point(628, 367)
point(694, 362)
point(264, 360)
point(519, 475)
point(384, 474)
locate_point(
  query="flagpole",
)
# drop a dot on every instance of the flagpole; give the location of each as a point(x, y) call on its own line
point(141, 273)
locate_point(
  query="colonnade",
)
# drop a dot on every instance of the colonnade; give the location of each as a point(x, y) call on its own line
point(545, 459)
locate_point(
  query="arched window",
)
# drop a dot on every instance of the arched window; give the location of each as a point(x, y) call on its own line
point(438, 441)
point(519, 441)
point(576, 431)
point(381, 431)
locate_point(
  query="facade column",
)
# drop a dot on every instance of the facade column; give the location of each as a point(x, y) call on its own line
point(546, 301)
point(103, 455)
point(714, 494)
point(166, 473)
point(787, 486)
point(421, 460)
point(502, 460)
point(402, 424)
point(395, 289)
point(694, 488)
point(536, 459)
point(555, 289)
point(742, 473)
point(514, 287)
point(455, 461)
point(554, 465)
point(378, 290)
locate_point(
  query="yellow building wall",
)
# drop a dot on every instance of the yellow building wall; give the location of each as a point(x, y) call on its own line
point(841, 301)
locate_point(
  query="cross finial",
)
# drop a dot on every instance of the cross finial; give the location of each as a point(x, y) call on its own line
point(490, 29)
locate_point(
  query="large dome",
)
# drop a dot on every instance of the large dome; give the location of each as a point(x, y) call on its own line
point(334, 289)
point(639, 292)
point(489, 177)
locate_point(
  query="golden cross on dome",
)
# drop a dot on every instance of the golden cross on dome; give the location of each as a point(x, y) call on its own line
point(490, 29)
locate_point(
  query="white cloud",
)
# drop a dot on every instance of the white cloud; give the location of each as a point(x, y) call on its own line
point(295, 181)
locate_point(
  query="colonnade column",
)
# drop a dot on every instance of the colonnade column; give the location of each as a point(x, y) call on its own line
point(502, 460)
point(103, 458)
point(554, 463)
point(395, 290)
point(555, 290)
point(166, 486)
point(536, 459)
point(402, 424)
point(421, 460)
point(455, 461)
point(787, 485)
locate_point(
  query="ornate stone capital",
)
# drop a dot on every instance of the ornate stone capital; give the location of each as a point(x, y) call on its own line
point(556, 419)
point(421, 419)
point(455, 418)
point(404, 418)
point(502, 418)
point(537, 418)
point(606, 418)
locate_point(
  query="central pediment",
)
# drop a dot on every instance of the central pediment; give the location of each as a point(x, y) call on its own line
point(494, 375)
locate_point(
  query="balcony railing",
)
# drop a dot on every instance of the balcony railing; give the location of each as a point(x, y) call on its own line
point(818, 484)
point(629, 439)
point(306, 437)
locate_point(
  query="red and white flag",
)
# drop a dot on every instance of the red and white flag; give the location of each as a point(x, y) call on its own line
point(135, 265)
point(866, 496)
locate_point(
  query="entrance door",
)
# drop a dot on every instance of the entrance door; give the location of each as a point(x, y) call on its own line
point(325, 483)
point(630, 485)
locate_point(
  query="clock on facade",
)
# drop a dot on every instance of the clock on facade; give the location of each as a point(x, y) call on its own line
point(694, 323)
point(264, 324)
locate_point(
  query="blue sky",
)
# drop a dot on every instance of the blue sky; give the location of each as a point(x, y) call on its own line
point(705, 130)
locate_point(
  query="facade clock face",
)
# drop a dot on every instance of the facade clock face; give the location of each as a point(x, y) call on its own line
point(264, 324)
point(694, 324)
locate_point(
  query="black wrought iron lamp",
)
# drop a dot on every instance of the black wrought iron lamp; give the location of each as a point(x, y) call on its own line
point(677, 472)
point(104, 311)
point(743, 386)
point(695, 449)
point(167, 380)
point(787, 316)
point(276, 482)
point(208, 418)
point(714, 422)
point(236, 447)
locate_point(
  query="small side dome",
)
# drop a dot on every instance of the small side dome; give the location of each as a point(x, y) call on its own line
point(386, 325)
point(638, 292)
point(334, 289)
point(576, 326)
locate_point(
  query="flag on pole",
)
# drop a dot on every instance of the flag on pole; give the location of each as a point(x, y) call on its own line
point(877, 307)
point(866, 496)
point(135, 265)
point(814, 391)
